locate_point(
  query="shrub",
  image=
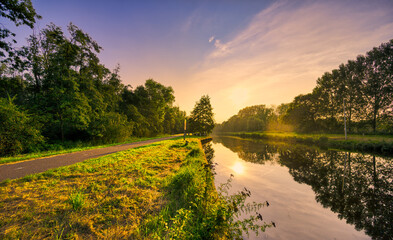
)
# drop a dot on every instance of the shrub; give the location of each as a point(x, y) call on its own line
point(17, 131)
point(111, 127)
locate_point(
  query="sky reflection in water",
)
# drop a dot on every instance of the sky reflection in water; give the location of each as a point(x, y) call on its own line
point(312, 194)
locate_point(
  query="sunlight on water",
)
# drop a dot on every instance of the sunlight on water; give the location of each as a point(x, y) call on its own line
point(308, 195)
point(238, 168)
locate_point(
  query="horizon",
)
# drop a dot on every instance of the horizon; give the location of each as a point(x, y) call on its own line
point(239, 53)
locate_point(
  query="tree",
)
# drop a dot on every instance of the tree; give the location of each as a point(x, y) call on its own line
point(253, 118)
point(152, 100)
point(21, 12)
point(378, 80)
point(303, 112)
point(201, 120)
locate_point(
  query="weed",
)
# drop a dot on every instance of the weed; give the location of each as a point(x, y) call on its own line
point(77, 200)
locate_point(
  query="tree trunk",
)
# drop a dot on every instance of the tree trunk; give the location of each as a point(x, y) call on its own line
point(375, 120)
point(62, 129)
point(349, 120)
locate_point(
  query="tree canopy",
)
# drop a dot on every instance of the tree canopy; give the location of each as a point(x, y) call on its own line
point(201, 120)
point(60, 83)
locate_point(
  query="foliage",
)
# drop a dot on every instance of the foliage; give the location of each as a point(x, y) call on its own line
point(249, 119)
point(363, 85)
point(18, 133)
point(111, 127)
point(60, 81)
point(19, 12)
point(201, 120)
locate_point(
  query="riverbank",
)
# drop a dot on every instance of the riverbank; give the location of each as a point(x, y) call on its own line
point(163, 190)
point(368, 143)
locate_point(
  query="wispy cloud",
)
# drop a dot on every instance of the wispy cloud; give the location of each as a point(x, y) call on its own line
point(286, 47)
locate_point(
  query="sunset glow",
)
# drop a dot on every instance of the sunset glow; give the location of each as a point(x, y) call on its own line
point(240, 53)
point(191, 118)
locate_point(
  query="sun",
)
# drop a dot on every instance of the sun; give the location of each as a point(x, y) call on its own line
point(239, 96)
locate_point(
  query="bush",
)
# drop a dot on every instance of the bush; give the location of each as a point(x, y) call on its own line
point(17, 131)
point(111, 127)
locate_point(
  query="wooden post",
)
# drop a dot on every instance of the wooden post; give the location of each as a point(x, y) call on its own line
point(185, 129)
point(345, 121)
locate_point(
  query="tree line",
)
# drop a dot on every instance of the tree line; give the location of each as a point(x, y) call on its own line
point(56, 89)
point(364, 87)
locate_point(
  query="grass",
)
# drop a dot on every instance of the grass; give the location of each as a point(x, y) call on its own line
point(368, 143)
point(107, 197)
point(35, 155)
point(161, 191)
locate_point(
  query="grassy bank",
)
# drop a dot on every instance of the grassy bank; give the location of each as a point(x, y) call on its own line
point(62, 149)
point(366, 143)
point(160, 191)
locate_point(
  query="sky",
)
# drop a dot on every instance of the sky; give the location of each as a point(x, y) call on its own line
point(239, 52)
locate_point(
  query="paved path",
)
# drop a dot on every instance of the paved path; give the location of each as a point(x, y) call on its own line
point(21, 169)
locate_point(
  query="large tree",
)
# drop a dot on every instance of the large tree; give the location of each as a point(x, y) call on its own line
point(152, 100)
point(378, 80)
point(202, 117)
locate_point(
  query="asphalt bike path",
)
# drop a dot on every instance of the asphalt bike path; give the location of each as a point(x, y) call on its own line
point(21, 169)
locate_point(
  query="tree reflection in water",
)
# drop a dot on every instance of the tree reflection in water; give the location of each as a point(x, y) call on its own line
point(357, 186)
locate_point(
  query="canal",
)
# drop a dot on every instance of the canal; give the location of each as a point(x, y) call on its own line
point(312, 193)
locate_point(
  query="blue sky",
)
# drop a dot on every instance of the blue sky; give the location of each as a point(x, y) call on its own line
point(240, 52)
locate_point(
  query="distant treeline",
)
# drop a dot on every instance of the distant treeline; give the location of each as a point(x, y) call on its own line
point(254, 118)
point(364, 86)
point(55, 88)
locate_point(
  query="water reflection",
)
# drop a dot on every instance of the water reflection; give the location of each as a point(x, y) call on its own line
point(358, 187)
point(238, 168)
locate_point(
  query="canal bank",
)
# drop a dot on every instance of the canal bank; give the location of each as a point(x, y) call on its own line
point(372, 144)
point(163, 190)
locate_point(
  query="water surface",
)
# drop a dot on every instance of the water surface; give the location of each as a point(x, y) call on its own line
point(313, 194)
